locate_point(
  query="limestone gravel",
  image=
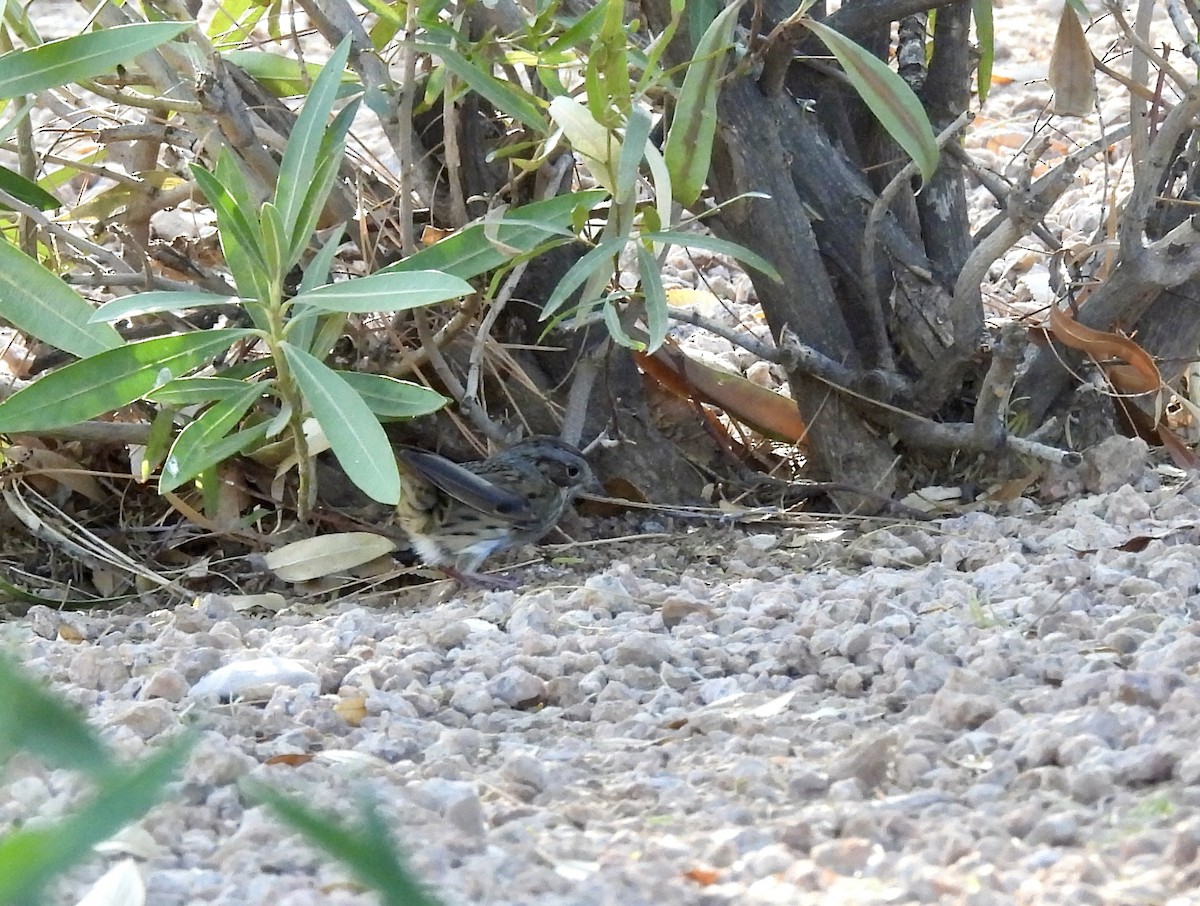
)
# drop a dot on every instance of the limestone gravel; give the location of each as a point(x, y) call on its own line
point(1010, 716)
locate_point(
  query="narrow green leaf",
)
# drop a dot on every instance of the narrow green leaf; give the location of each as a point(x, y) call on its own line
point(154, 302)
point(316, 272)
point(985, 33)
point(354, 433)
point(581, 271)
point(32, 858)
point(80, 57)
point(232, 219)
point(468, 253)
point(205, 442)
point(688, 148)
point(894, 104)
point(589, 137)
point(368, 850)
point(107, 381)
point(306, 332)
point(282, 76)
point(499, 93)
point(26, 190)
point(333, 147)
point(194, 391)
point(386, 292)
point(274, 241)
point(655, 295)
point(243, 256)
point(720, 246)
point(35, 301)
point(701, 14)
point(391, 398)
point(633, 149)
point(304, 144)
point(233, 22)
point(616, 330)
point(34, 720)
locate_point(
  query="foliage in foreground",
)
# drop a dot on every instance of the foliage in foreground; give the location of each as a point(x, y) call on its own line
point(37, 723)
point(263, 388)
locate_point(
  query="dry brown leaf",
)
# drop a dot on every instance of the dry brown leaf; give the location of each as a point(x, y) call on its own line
point(352, 709)
point(1181, 454)
point(703, 875)
point(50, 466)
point(1072, 72)
point(324, 555)
point(1140, 375)
point(1010, 490)
point(763, 410)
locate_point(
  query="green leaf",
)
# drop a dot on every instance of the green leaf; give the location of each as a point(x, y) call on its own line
point(34, 720)
point(195, 391)
point(26, 190)
point(107, 381)
point(205, 443)
point(32, 858)
point(368, 850)
point(701, 14)
point(985, 32)
point(468, 253)
point(154, 302)
point(894, 104)
point(386, 292)
point(579, 273)
point(316, 272)
point(304, 144)
point(274, 241)
point(233, 220)
point(80, 57)
point(616, 330)
point(354, 433)
point(282, 75)
point(591, 139)
point(391, 398)
point(333, 147)
point(656, 298)
point(307, 331)
point(243, 246)
point(720, 246)
point(688, 148)
point(633, 149)
point(35, 301)
point(233, 22)
point(499, 93)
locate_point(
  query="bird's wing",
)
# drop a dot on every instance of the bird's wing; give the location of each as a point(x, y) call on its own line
point(464, 485)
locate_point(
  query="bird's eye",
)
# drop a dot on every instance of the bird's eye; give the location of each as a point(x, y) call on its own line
point(573, 471)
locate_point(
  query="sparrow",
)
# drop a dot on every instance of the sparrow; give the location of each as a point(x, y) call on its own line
point(457, 515)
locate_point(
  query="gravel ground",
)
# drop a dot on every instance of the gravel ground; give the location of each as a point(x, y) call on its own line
point(999, 707)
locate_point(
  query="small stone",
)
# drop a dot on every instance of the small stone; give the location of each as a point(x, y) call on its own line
point(1143, 764)
point(643, 649)
point(456, 801)
point(1114, 462)
point(167, 683)
point(518, 688)
point(146, 719)
point(845, 857)
point(962, 710)
point(472, 700)
point(1055, 830)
